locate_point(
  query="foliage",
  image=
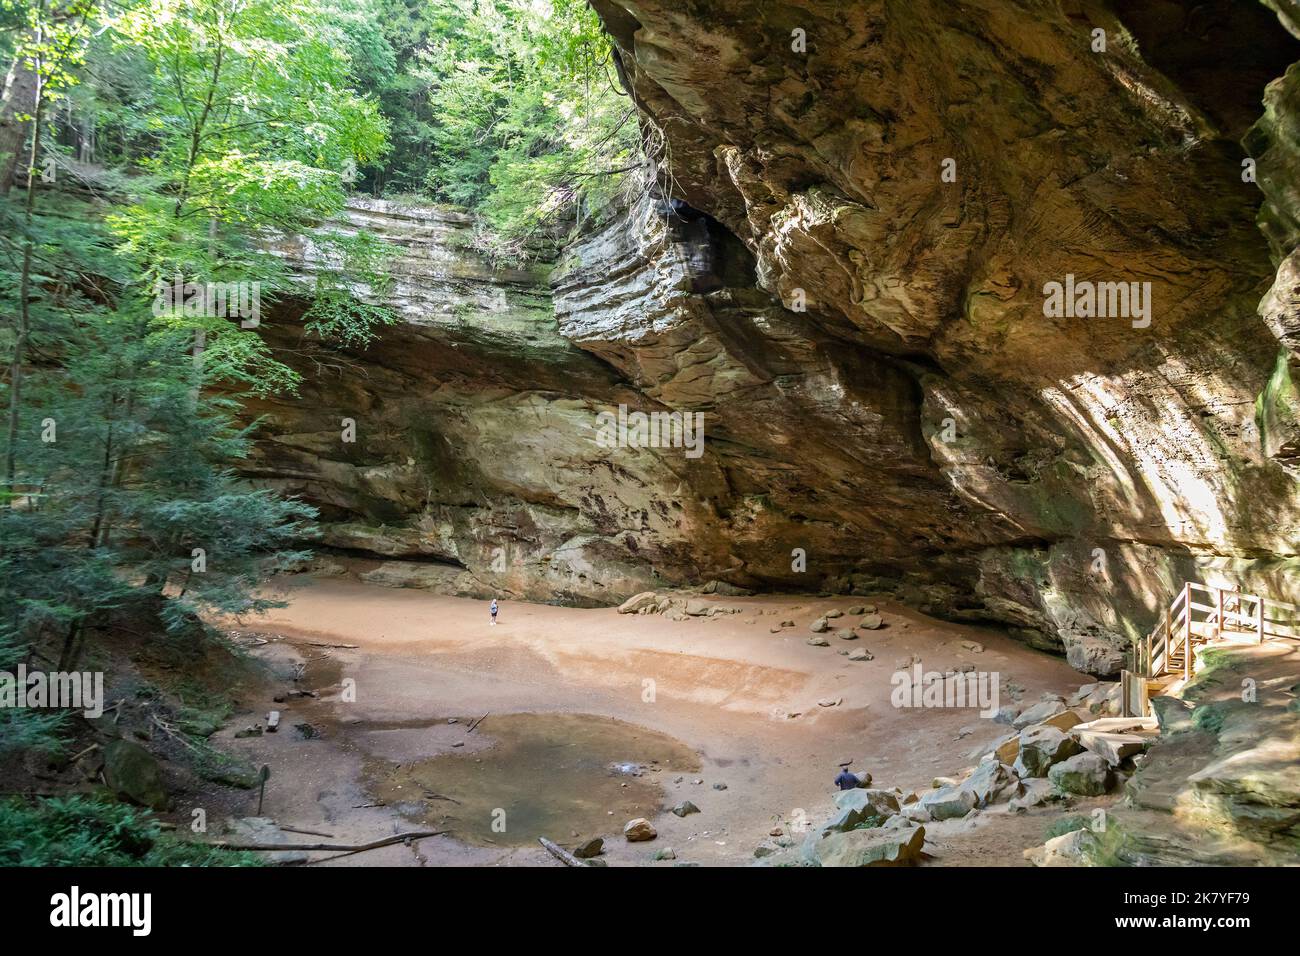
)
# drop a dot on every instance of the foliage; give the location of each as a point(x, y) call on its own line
point(508, 107)
point(80, 831)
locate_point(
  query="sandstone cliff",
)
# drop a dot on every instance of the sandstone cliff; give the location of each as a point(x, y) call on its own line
point(864, 335)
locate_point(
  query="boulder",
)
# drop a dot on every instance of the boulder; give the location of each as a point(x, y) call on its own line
point(947, 803)
point(872, 622)
point(1063, 721)
point(846, 634)
point(989, 781)
point(134, 774)
point(1034, 793)
point(1038, 713)
point(1008, 748)
point(1113, 748)
point(1086, 774)
point(1091, 654)
point(1040, 748)
point(861, 654)
point(638, 602)
point(1174, 716)
point(1006, 715)
point(639, 830)
point(879, 846)
point(819, 626)
point(880, 803)
point(1070, 849)
point(1106, 699)
point(1082, 694)
point(697, 608)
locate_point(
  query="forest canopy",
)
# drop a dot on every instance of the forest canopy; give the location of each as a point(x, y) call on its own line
point(150, 153)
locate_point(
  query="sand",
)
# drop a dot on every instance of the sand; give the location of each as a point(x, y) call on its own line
point(744, 702)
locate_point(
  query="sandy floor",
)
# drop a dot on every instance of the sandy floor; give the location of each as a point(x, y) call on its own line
point(742, 700)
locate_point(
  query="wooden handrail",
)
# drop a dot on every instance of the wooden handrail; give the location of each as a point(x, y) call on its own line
point(1179, 629)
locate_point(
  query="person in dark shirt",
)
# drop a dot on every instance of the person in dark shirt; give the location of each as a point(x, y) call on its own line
point(847, 780)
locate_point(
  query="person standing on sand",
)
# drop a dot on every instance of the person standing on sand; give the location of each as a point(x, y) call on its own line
point(847, 780)
point(493, 610)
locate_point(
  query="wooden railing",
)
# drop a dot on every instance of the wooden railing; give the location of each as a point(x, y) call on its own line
point(1171, 645)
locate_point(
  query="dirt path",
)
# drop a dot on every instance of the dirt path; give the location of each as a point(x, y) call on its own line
point(742, 700)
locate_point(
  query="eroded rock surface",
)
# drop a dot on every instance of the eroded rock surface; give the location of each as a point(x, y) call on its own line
point(865, 340)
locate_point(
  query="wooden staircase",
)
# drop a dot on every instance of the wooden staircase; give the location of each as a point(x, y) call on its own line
point(1166, 659)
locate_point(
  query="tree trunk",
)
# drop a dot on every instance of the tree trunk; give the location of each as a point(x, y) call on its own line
point(18, 100)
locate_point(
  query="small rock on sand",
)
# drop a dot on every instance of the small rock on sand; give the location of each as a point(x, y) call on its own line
point(639, 830)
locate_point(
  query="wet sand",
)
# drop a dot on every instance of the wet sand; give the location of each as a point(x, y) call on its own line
point(728, 709)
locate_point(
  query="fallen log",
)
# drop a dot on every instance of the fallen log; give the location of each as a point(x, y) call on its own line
point(348, 847)
point(287, 829)
point(561, 854)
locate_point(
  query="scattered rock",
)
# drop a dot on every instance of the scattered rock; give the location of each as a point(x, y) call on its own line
point(719, 786)
point(1071, 849)
point(638, 602)
point(846, 634)
point(1085, 774)
point(1038, 713)
point(989, 781)
point(589, 849)
point(861, 654)
point(665, 853)
point(134, 773)
point(1063, 721)
point(975, 647)
point(830, 701)
point(1040, 748)
point(1006, 715)
point(639, 830)
point(766, 848)
point(819, 626)
point(872, 622)
point(685, 808)
point(1113, 748)
point(817, 641)
point(878, 846)
point(947, 803)
point(833, 613)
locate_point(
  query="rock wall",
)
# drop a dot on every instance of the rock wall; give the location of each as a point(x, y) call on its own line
point(848, 285)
